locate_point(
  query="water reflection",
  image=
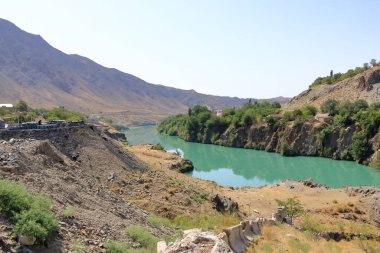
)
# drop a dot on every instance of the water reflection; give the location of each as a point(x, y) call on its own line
point(242, 167)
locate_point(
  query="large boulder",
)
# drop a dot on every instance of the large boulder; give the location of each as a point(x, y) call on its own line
point(223, 204)
point(196, 241)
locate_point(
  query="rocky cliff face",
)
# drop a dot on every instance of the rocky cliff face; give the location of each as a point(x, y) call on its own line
point(293, 139)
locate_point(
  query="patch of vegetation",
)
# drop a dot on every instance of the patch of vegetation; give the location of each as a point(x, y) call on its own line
point(310, 224)
point(214, 222)
point(77, 247)
point(159, 221)
point(116, 247)
point(292, 208)
point(24, 113)
point(142, 236)
point(69, 211)
point(360, 146)
point(284, 148)
point(202, 125)
point(337, 77)
point(157, 146)
point(31, 214)
point(298, 246)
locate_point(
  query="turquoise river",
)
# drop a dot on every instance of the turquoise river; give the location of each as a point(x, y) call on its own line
point(246, 167)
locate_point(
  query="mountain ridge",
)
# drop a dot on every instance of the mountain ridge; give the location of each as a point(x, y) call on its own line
point(34, 71)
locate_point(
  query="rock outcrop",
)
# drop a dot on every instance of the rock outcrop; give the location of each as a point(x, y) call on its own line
point(196, 241)
point(223, 204)
point(362, 86)
point(293, 139)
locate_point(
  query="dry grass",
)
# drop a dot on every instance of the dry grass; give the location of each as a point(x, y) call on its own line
point(283, 238)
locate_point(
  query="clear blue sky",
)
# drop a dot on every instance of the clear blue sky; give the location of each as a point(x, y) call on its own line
point(249, 48)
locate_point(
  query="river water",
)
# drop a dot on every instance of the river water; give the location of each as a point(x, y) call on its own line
point(246, 167)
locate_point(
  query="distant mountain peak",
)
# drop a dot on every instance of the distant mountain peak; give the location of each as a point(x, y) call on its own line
point(32, 70)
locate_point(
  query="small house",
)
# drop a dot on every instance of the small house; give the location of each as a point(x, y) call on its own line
point(9, 106)
point(276, 116)
point(323, 118)
point(219, 113)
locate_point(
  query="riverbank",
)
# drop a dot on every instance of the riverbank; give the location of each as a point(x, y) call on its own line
point(348, 210)
point(105, 193)
point(349, 132)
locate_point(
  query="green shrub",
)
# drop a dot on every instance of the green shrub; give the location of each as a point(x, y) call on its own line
point(159, 221)
point(14, 198)
point(116, 247)
point(38, 222)
point(360, 146)
point(157, 146)
point(69, 211)
point(31, 214)
point(291, 208)
point(142, 236)
point(284, 148)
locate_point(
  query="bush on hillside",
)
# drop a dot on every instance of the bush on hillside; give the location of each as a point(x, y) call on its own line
point(360, 146)
point(31, 214)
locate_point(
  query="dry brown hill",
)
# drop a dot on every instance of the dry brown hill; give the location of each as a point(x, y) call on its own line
point(362, 86)
point(32, 70)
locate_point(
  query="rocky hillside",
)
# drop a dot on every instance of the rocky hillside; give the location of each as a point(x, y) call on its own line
point(362, 86)
point(32, 70)
point(106, 188)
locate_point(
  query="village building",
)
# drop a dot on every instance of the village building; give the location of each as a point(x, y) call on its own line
point(9, 108)
point(6, 106)
point(274, 116)
point(323, 118)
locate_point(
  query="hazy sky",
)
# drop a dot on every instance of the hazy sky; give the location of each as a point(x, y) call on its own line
point(249, 48)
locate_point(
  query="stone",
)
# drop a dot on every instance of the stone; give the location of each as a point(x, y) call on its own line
point(223, 204)
point(199, 242)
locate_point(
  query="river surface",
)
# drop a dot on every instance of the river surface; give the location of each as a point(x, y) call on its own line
point(239, 167)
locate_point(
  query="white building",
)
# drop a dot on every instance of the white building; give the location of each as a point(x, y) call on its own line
point(6, 106)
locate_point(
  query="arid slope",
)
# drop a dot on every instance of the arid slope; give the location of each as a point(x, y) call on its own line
point(362, 86)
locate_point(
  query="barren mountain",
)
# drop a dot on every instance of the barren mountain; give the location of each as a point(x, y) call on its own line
point(32, 70)
point(362, 86)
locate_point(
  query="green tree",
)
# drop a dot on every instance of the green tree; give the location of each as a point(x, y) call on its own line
point(330, 106)
point(2, 112)
point(373, 62)
point(309, 110)
point(291, 208)
point(360, 147)
point(276, 104)
point(366, 66)
point(22, 106)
